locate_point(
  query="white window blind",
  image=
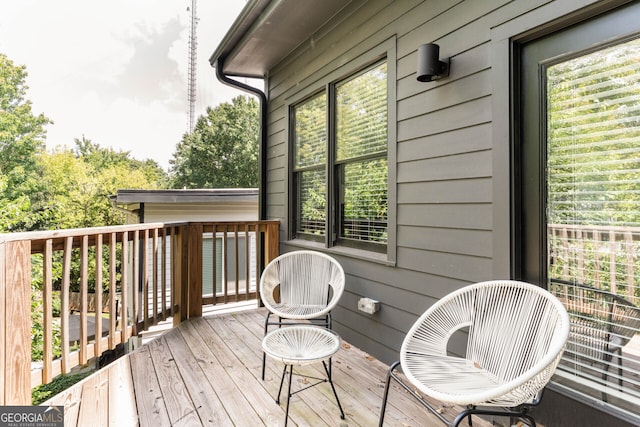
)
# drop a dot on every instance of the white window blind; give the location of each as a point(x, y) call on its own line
point(361, 155)
point(593, 219)
point(310, 155)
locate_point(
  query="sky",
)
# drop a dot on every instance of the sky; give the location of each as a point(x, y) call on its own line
point(115, 72)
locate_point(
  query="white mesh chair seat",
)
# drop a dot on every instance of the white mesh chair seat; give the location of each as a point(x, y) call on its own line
point(299, 312)
point(299, 287)
point(301, 345)
point(517, 333)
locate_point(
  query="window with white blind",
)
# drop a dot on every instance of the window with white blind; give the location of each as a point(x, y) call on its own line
point(580, 168)
point(593, 216)
point(340, 162)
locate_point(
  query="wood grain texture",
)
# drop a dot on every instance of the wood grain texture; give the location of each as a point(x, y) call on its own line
point(206, 372)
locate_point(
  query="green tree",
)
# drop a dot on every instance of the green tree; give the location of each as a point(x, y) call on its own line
point(79, 182)
point(22, 136)
point(222, 151)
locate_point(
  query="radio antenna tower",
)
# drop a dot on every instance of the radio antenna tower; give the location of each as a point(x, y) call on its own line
point(192, 70)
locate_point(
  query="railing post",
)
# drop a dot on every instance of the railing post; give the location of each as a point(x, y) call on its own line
point(179, 269)
point(271, 242)
point(194, 256)
point(15, 333)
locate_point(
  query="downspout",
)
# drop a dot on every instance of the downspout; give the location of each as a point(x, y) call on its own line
point(262, 149)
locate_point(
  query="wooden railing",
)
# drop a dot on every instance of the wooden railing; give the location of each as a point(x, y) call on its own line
point(147, 272)
point(606, 258)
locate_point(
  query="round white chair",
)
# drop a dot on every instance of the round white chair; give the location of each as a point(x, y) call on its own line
point(301, 287)
point(302, 345)
point(517, 333)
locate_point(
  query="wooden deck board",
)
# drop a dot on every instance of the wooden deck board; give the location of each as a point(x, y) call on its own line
point(121, 393)
point(152, 410)
point(222, 397)
point(205, 400)
point(207, 372)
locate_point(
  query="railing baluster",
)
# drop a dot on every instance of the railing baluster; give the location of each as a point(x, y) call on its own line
point(47, 304)
point(124, 287)
point(98, 295)
point(236, 264)
point(135, 259)
point(225, 269)
point(630, 276)
point(247, 263)
point(84, 290)
point(214, 260)
point(145, 278)
point(596, 259)
point(154, 274)
point(580, 254)
point(112, 291)
point(612, 261)
point(163, 274)
point(64, 303)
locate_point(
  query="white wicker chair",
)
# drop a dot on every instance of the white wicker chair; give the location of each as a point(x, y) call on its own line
point(301, 287)
point(516, 335)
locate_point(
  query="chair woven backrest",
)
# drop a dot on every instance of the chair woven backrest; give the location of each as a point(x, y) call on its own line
point(513, 327)
point(302, 278)
point(515, 331)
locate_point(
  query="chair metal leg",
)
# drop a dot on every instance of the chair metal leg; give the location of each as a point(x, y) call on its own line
point(334, 389)
point(286, 414)
point(264, 355)
point(520, 412)
point(385, 395)
point(284, 372)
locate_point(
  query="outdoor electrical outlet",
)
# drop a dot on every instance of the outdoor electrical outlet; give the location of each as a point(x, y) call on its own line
point(368, 305)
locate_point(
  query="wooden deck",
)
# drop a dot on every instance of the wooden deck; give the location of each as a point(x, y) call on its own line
point(206, 372)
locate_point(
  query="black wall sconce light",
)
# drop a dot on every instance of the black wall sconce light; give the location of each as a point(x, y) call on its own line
point(430, 67)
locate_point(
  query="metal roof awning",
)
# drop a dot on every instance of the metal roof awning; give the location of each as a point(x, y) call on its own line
point(266, 31)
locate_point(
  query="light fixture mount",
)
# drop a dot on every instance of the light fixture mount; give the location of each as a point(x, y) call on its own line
point(430, 67)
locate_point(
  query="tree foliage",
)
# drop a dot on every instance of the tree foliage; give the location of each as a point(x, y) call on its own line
point(65, 188)
point(21, 140)
point(78, 183)
point(222, 151)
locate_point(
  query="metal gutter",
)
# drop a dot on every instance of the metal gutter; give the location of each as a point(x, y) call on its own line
point(262, 149)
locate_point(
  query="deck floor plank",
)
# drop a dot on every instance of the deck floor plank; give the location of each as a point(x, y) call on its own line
point(268, 411)
point(152, 411)
point(121, 395)
point(180, 407)
point(301, 414)
point(239, 409)
point(207, 402)
point(207, 372)
point(319, 399)
point(356, 373)
point(93, 411)
point(69, 399)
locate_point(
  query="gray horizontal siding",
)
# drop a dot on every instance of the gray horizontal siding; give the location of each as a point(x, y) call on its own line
point(446, 201)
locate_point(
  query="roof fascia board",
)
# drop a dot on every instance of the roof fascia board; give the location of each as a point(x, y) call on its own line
point(238, 33)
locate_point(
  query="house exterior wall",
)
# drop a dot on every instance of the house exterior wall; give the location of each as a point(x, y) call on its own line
point(167, 212)
point(451, 149)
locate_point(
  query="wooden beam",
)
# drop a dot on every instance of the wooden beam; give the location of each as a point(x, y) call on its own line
point(17, 320)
